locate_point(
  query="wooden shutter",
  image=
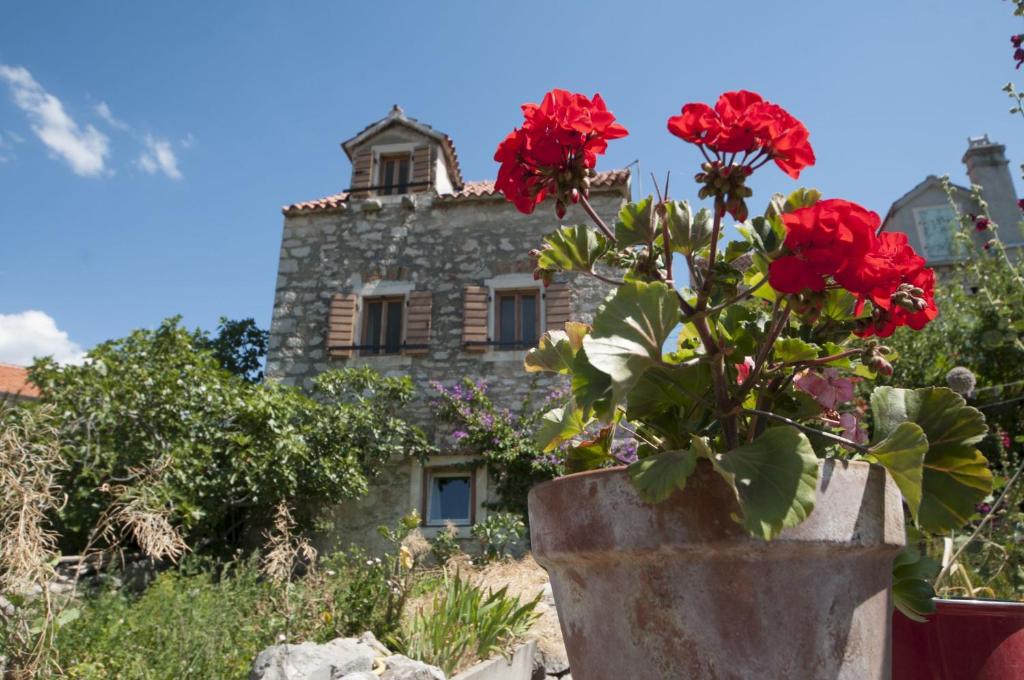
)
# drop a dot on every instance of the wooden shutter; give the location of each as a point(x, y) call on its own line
point(422, 168)
point(362, 172)
point(474, 318)
point(417, 322)
point(556, 306)
point(341, 324)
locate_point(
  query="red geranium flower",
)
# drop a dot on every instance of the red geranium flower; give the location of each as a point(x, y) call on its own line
point(827, 239)
point(555, 149)
point(743, 122)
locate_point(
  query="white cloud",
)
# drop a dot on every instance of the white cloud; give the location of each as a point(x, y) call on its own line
point(30, 334)
point(104, 112)
point(159, 157)
point(85, 150)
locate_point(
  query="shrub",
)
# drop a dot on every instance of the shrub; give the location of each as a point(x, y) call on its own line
point(445, 544)
point(215, 452)
point(496, 532)
point(464, 624)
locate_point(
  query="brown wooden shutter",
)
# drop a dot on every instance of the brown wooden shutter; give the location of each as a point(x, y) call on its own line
point(362, 172)
point(341, 324)
point(474, 318)
point(422, 168)
point(417, 322)
point(556, 306)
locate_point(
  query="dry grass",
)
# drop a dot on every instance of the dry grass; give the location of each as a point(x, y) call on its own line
point(285, 549)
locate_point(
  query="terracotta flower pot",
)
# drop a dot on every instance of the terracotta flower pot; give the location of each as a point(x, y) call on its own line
point(962, 640)
point(679, 590)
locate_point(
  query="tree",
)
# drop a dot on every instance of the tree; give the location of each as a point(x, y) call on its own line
point(240, 346)
point(155, 420)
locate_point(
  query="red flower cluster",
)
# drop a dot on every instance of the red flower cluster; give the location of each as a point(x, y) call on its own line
point(743, 122)
point(837, 239)
point(555, 150)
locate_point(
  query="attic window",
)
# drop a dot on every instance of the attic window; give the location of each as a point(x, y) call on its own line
point(393, 173)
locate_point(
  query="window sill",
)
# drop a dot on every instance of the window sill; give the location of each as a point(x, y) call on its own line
point(505, 355)
point(382, 361)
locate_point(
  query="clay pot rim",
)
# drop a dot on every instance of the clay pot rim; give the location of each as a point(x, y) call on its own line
point(972, 606)
point(619, 469)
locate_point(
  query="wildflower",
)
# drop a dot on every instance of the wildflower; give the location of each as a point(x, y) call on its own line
point(981, 223)
point(743, 370)
point(459, 435)
point(961, 380)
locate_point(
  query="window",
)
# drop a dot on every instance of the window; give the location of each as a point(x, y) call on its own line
point(449, 497)
point(516, 318)
point(393, 174)
point(382, 325)
point(936, 226)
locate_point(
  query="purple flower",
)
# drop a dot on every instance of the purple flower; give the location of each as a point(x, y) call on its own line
point(625, 452)
point(459, 434)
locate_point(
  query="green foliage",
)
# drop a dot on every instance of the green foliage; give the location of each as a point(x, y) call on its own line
point(495, 534)
point(912, 572)
point(445, 545)
point(240, 346)
point(572, 249)
point(902, 453)
point(775, 478)
point(464, 623)
point(657, 476)
point(154, 410)
point(503, 439)
point(956, 476)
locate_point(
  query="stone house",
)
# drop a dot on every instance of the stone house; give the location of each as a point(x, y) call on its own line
point(413, 270)
point(924, 213)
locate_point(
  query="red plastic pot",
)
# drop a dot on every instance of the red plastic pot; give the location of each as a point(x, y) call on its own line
point(962, 640)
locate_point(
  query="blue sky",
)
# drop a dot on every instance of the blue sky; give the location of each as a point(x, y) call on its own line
point(187, 125)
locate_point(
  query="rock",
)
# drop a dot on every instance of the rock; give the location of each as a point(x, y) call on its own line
point(361, 675)
point(373, 643)
point(403, 668)
point(549, 661)
point(310, 661)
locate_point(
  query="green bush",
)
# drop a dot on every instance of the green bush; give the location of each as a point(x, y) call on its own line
point(464, 624)
point(496, 533)
point(445, 545)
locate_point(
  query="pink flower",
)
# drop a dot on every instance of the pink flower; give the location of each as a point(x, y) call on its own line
point(743, 370)
point(827, 388)
point(852, 429)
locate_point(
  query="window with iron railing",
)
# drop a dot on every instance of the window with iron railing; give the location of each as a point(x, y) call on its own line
point(382, 325)
point(516, 318)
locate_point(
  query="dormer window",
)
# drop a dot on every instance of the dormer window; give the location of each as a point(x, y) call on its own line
point(393, 174)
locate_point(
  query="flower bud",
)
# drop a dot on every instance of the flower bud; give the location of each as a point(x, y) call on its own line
point(961, 380)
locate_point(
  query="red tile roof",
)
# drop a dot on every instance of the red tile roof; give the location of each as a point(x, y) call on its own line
point(14, 382)
point(469, 191)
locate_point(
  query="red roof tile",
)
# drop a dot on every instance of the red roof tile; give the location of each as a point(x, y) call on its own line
point(469, 191)
point(14, 382)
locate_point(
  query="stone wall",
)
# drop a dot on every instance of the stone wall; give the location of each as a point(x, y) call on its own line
point(413, 242)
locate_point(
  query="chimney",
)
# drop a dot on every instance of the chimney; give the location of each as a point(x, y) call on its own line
point(987, 167)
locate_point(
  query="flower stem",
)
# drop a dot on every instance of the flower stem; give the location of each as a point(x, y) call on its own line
point(589, 209)
point(810, 430)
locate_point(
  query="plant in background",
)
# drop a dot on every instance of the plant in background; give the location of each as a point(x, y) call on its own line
point(216, 452)
point(504, 440)
point(773, 329)
point(496, 533)
point(445, 545)
point(463, 624)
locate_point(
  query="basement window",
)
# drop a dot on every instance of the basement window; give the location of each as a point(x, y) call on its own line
point(449, 497)
point(382, 325)
point(393, 174)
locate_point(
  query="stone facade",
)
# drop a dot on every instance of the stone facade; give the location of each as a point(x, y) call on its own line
point(436, 241)
point(924, 213)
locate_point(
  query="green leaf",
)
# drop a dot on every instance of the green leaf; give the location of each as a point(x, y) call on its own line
point(591, 388)
point(629, 332)
point(912, 592)
point(553, 354)
point(67, 616)
point(656, 477)
point(575, 248)
point(591, 454)
point(829, 349)
point(839, 304)
point(559, 425)
point(902, 453)
point(687, 232)
point(802, 198)
point(634, 225)
point(775, 478)
point(794, 349)
point(956, 476)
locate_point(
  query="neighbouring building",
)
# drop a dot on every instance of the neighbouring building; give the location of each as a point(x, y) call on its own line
point(14, 384)
point(925, 215)
point(413, 270)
